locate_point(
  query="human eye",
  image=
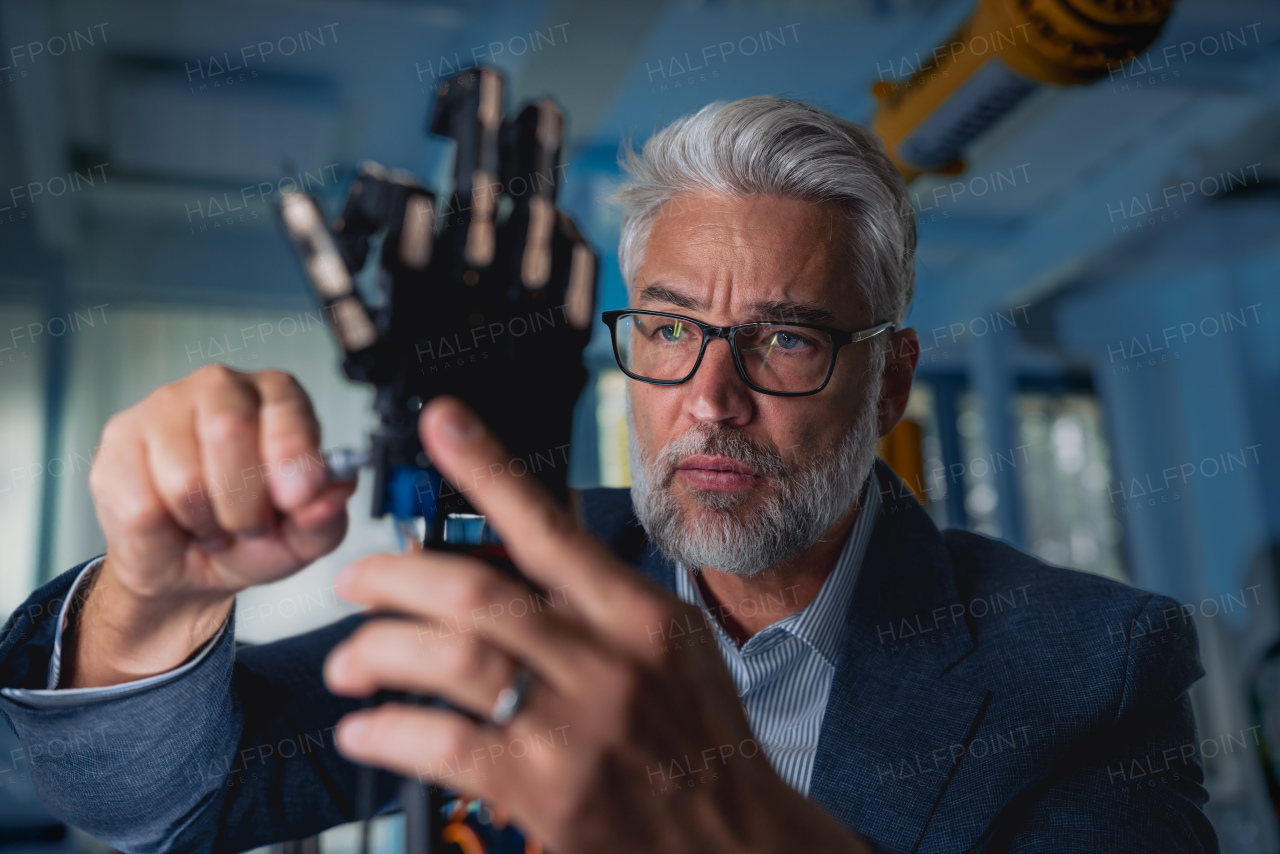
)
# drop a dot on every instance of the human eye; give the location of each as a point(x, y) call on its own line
point(788, 339)
point(672, 331)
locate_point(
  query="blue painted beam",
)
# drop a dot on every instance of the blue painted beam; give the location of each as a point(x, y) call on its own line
point(1063, 239)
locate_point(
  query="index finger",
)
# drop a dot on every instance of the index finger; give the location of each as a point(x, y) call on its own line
point(539, 534)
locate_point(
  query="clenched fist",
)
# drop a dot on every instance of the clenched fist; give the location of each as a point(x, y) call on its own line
point(210, 485)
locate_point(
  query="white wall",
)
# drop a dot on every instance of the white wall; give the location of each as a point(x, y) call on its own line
point(22, 469)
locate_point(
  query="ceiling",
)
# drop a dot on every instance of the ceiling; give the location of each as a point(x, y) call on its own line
point(176, 157)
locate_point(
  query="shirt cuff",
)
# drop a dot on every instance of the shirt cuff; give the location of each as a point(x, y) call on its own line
point(54, 697)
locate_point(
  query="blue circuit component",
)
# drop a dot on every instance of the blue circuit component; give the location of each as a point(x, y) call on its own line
point(469, 529)
point(413, 492)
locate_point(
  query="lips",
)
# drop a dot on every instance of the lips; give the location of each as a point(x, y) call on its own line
point(717, 473)
point(702, 462)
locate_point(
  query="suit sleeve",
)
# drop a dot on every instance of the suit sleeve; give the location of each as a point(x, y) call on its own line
point(54, 697)
point(235, 753)
point(1136, 786)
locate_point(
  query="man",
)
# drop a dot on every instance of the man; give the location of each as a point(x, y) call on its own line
point(802, 663)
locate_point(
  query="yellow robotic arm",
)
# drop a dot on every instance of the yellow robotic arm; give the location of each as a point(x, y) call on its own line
point(1004, 51)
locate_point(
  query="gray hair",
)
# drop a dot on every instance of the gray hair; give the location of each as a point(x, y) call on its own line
point(767, 145)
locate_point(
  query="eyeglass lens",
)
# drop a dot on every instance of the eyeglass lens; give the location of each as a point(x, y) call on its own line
point(776, 357)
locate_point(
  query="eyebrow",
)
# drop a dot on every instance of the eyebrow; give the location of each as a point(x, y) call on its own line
point(795, 312)
point(661, 293)
point(777, 310)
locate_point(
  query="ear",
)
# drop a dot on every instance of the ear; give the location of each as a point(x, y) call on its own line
point(899, 370)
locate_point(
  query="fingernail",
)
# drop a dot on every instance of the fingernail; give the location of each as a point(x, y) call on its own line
point(459, 427)
point(351, 732)
point(337, 662)
point(342, 583)
point(294, 487)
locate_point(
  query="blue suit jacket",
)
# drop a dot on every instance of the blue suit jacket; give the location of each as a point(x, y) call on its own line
point(982, 701)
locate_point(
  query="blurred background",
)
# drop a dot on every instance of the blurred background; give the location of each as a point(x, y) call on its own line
point(1097, 297)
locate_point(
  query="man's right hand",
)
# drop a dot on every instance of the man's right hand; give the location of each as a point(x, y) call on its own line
point(208, 486)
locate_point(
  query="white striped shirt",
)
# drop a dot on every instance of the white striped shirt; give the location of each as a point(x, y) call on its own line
point(784, 672)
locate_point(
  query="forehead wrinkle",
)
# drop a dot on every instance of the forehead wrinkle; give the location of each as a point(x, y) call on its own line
point(700, 226)
point(731, 249)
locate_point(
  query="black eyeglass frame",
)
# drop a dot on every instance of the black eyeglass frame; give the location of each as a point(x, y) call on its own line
point(839, 338)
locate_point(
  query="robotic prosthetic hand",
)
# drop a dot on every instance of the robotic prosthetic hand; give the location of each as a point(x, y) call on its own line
point(494, 308)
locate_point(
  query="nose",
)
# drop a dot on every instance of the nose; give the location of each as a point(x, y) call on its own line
point(715, 392)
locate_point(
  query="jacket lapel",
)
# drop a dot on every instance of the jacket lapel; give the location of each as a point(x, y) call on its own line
point(895, 716)
point(653, 564)
point(607, 513)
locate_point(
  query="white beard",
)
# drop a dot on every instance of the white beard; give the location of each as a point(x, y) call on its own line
point(801, 504)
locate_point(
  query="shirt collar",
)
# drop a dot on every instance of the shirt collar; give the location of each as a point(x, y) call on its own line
point(821, 622)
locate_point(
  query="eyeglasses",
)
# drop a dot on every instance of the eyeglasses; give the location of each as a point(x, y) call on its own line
point(786, 359)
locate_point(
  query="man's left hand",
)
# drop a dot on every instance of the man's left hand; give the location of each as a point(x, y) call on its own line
point(630, 739)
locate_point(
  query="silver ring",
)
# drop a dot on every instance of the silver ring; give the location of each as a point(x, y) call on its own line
point(511, 698)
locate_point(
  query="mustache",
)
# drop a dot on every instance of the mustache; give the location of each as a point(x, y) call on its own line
point(722, 442)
